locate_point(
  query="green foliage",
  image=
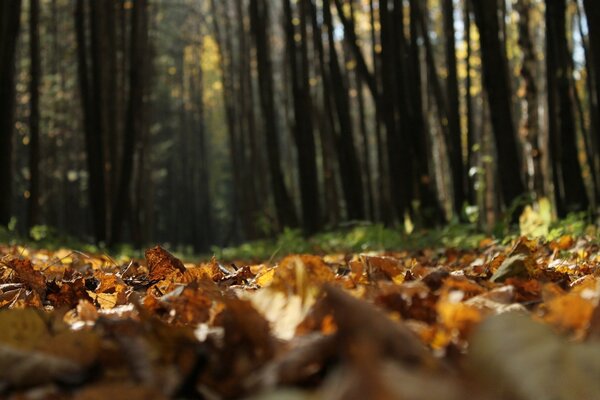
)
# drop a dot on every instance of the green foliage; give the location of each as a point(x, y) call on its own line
point(575, 224)
point(357, 239)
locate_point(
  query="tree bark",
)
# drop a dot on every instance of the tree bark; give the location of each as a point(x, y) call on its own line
point(497, 85)
point(459, 175)
point(93, 135)
point(33, 210)
point(259, 17)
point(135, 114)
point(10, 12)
point(303, 124)
point(349, 166)
point(531, 123)
point(569, 188)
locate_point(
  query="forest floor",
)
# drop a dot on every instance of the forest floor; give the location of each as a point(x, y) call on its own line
point(478, 319)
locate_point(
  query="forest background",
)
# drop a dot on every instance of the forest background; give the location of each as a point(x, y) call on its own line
point(201, 123)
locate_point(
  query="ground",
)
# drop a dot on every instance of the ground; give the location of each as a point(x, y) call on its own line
point(518, 320)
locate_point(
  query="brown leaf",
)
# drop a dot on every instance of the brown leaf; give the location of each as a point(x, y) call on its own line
point(67, 294)
point(161, 263)
point(300, 271)
point(28, 275)
point(184, 305)
point(119, 390)
point(360, 321)
point(30, 354)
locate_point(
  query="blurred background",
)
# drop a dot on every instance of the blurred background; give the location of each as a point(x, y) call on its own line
point(213, 122)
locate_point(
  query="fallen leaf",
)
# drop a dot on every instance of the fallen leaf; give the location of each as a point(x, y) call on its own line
point(161, 263)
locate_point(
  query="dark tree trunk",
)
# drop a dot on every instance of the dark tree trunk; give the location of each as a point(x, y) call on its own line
point(93, 135)
point(303, 124)
point(531, 125)
point(33, 211)
point(459, 175)
point(431, 209)
point(591, 134)
point(472, 195)
point(569, 189)
point(259, 17)
point(497, 86)
point(10, 12)
point(253, 170)
point(327, 126)
point(386, 210)
point(348, 158)
point(134, 116)
point(223, 38)
point(397, 148)
point(592, 11)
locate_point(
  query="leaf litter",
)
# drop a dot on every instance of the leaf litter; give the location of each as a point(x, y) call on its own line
point(494, 322)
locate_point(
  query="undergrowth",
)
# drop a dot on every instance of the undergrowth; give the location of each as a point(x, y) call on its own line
point(355, 239)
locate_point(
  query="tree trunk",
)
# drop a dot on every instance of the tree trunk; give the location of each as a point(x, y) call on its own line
point(569, 189)
point(592, 12)
point(497, 85)
point(459, 175)
point(135, 114)
point(10, 17)
point(348, 158)
point(472, 194)
point(34, 115)
point(93, 135)
point(259, 17)
point(531, 126)
point(303, 124)
point(327, 127)
point(432, 213)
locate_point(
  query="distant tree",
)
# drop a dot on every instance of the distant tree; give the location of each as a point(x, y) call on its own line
point(303, 129)
point(259, 17)
point(112, 135)
point(347, 155)
point(92, 127)
point(10, 12)
point(34, 114)
point(459, 173)
point(135, 114)
point(531, 126)
point(569, 188)
point(592, 12)
point(497, 86)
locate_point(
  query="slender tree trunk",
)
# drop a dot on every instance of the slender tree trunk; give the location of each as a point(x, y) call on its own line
point(327, 126)
point(459, 175)
point(472, 194)
point(592, 12)
point(400, 175)
point(253, 170)
point(431, 209)
point(33, 211)
point(135, 113)
point(569, 189)
point(348, 158)
point(592, 136)
point(364, 134)
point(10, 12)
point(386, 210)
point(259, 17)
point(303, 124)
point(497, 85)
point(93, 138)
point(531, 126)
